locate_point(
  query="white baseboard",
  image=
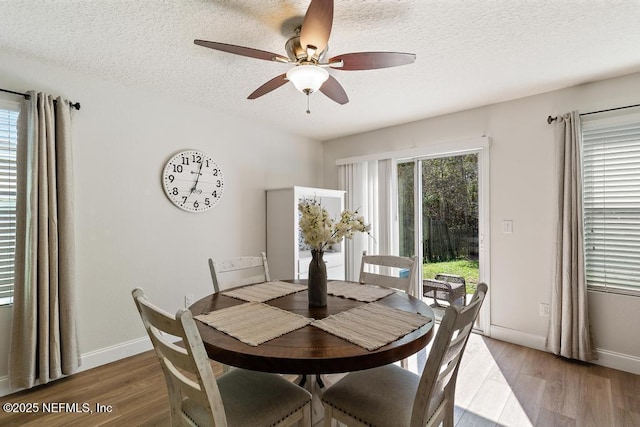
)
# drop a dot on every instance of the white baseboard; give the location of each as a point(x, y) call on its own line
point(619, 361)
point(609, 359)
point(96, 358)
point(100, 357)
point(518, 337)
point(4, 386)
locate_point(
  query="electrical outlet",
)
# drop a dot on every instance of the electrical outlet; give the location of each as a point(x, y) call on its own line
point(544, 310)
point(188, 300)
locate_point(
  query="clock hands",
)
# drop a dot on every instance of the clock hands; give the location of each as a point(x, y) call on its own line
point(195, 184)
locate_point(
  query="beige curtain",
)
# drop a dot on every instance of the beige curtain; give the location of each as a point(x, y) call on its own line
point(569, 334)
point(44, 344)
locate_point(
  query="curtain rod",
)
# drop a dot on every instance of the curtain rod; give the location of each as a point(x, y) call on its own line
point(75, 105)
point(552, 119)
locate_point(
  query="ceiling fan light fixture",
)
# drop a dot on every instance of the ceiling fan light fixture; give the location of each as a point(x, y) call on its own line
point(307, 78)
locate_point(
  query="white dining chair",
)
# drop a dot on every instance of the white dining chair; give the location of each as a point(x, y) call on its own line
point(196, 398)
point(390, 396)
point(389, 271)
point(239, 271)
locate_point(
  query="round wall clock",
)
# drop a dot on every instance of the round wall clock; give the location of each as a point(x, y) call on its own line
point(193, 181)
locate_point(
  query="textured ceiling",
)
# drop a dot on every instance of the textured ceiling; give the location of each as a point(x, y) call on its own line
point(469, 53)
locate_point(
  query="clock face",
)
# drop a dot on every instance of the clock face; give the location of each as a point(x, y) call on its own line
point(193, 181)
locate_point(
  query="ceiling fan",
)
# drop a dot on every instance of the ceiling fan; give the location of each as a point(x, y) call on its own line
point(307, 49)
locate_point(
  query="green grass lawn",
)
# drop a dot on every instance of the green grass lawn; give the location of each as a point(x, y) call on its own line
point(462, 267)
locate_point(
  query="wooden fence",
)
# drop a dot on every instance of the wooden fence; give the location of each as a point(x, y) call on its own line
point(443, 243)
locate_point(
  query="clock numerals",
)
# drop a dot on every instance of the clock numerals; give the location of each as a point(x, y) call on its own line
point(193, 181)
point(197, 158)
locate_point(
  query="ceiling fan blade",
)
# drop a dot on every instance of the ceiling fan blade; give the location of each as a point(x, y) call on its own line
point(244, 51)
point(316, 26)
point(371, 60)
point(334, 91)
point(269, 86)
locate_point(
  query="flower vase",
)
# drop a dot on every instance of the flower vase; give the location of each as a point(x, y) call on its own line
point(317, 281)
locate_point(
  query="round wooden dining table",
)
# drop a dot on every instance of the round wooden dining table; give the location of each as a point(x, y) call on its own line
point(310, 350)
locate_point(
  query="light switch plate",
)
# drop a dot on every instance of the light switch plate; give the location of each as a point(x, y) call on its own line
point(507, 226)
point(188, 300)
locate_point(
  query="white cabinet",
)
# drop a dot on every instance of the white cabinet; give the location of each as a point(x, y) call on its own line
point(287, 254)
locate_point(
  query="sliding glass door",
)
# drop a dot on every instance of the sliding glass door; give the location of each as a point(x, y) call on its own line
point(442, 220)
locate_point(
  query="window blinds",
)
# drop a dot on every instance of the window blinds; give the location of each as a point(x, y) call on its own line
point(8, 145)
point(611, 153)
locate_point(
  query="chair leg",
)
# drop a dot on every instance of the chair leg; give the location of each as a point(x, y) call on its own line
point(448, 413)
point(435, 300)
point(328, 416)
point(306, 416)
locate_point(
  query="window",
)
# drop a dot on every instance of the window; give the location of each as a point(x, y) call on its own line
point(611, 153)
point(8, 145)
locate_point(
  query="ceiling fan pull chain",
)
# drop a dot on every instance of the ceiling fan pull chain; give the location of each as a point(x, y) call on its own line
point(308, 110)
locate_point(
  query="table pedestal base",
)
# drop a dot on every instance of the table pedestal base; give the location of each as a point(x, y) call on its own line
point(316, 384)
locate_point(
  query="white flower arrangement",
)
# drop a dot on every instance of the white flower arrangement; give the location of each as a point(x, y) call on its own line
point(320, 231)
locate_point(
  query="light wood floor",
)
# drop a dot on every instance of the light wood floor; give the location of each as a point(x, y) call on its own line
point(499, 384)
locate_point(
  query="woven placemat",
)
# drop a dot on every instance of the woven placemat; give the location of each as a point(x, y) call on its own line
point(356, 291)
point(254, 323)
point(264, 291)
point(372, 325)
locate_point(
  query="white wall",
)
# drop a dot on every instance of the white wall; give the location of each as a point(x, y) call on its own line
point(128, 234)
point(522, 189)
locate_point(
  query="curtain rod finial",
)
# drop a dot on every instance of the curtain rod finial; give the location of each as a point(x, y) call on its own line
point(551, 119)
